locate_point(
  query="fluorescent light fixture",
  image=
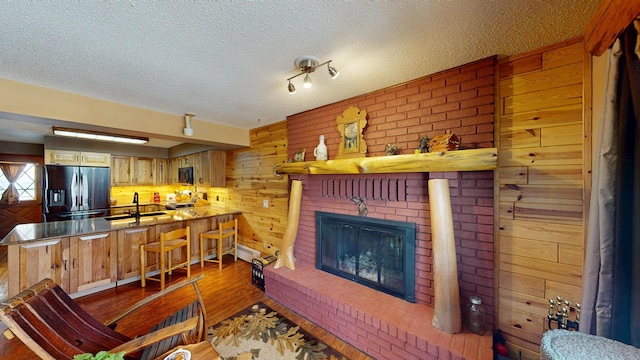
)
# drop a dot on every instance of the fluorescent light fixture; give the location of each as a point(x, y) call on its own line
point(97, 135)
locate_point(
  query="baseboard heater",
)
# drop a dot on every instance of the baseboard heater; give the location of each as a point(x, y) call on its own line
point(246, 253)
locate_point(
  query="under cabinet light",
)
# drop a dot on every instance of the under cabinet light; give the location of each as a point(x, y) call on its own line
point(97, 135)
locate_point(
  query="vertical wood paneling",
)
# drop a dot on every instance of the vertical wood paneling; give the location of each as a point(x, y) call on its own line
point(251, 181)
point(539, 188)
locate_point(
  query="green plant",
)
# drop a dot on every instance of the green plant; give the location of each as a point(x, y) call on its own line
point(102, 355)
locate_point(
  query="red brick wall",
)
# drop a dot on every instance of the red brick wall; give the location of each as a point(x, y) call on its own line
point(460, 100)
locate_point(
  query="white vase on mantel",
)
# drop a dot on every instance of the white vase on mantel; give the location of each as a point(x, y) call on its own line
point(320, 151)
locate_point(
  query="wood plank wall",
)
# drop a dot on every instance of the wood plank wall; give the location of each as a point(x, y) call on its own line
point(251, 180)
point(543, 137)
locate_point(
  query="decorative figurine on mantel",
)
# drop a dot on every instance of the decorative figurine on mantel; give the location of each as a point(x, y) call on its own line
point(424, 144)
point(320, 151)
point(391, 149)
point(445, 142)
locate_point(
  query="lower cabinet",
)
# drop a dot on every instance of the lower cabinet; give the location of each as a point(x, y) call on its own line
point(76, 263)
point(198, 226)
point(37, 261)
point(129, 241)
point(93, 262)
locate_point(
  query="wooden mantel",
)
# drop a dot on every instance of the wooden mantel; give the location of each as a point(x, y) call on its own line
point(458, 160)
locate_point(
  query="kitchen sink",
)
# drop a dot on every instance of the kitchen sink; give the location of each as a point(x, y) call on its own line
point(131, 216)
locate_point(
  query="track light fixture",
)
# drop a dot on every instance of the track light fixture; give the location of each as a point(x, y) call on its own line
point(308, 64)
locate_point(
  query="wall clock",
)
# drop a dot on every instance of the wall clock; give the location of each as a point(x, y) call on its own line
point(350, 125)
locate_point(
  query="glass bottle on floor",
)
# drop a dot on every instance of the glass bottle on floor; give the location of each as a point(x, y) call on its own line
point(476, 316)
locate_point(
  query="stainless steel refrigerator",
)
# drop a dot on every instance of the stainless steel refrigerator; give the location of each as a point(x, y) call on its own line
point(75, 192)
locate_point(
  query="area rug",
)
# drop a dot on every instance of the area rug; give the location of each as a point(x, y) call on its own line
point(258, 332)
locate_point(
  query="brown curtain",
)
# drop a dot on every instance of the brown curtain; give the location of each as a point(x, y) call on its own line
point(12, 172)
point(611, 283)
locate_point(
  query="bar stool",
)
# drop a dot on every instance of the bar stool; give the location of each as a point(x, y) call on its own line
point(226, 230)
point(169, 241)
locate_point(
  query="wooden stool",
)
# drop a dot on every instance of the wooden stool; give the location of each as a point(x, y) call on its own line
point(169, 241)
point(225, 230)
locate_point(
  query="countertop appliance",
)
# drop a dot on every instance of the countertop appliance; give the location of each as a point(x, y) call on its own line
point(75, 192)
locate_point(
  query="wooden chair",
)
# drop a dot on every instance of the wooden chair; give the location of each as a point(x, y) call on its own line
point(226, 230)
point(53, 326)
point(169, 241)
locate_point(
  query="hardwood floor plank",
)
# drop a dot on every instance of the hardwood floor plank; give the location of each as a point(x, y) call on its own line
point(225, 293)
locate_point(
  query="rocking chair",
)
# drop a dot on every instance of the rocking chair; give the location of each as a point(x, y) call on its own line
point(53, 326)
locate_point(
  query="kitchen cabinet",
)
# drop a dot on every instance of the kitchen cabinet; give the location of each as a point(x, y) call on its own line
point(77, 158)
point(130, 170)
point(121, 170)
point(218, 168)
point(39, 260)
point(202, 168)
point(162, 172)
point(186, 160)
point(129, 241)
point(208, 168)
point(75, 263)
point(198, 226)
point(93, 260)
point(144, 170)
point(174, 165)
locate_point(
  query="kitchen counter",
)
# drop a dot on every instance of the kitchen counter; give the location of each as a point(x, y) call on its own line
point(25, 233)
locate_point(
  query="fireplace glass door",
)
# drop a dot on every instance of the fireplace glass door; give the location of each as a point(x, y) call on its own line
point(373, 252)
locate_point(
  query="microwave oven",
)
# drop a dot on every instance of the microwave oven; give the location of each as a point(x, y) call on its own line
point(185, 175)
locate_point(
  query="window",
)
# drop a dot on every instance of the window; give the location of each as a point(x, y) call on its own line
point(26, 183)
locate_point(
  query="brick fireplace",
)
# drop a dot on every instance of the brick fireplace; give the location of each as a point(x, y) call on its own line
point(460, 100)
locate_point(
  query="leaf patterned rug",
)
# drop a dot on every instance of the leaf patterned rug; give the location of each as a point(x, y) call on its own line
point(258, 333)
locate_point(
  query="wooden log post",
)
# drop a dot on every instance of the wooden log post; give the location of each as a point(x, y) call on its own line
point(285, 257)
point(447, 313)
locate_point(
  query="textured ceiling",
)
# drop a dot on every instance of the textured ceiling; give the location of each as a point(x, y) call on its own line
point(228, 61)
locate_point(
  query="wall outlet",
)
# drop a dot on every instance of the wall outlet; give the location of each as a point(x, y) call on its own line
point(265, 203)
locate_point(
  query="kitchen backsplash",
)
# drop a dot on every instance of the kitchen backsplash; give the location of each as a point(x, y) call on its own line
point(124, 194)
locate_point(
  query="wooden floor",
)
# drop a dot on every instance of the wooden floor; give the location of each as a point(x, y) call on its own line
point(225, 293)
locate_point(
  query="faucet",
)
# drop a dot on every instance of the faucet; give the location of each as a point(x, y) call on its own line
point(135, 201)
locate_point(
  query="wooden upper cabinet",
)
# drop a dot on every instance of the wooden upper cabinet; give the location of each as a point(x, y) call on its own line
point(218, 163)
point(129, 170)
point(162, 172)
point(174, 165)
point(208, 169)
point(202, 169)
point(145, 169)
point(121, 170)
point(95, 159)
point(77, 158)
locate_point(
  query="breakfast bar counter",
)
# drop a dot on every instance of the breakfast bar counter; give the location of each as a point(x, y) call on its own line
point(89, 255)
point(24, 233)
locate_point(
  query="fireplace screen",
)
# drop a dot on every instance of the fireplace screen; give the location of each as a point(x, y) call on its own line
point(373, 252)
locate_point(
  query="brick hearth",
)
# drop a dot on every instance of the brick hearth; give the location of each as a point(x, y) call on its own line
point(381, 325)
